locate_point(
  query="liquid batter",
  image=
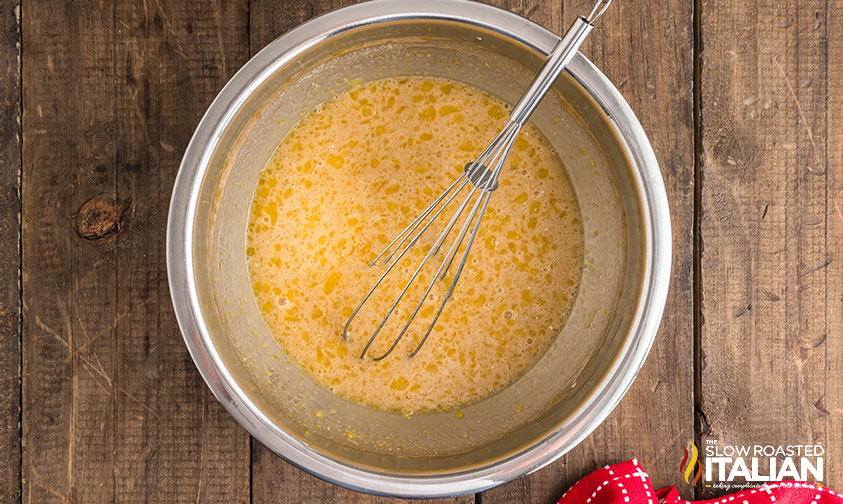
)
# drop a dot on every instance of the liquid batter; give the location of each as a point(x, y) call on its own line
point(345, 181)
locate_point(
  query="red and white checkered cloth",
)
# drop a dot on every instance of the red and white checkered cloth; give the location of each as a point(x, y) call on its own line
point(628, 483)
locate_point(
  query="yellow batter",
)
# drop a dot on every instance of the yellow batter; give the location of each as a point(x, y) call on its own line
point(345, 181)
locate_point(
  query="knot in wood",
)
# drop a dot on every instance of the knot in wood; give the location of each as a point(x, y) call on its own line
point(101, 217)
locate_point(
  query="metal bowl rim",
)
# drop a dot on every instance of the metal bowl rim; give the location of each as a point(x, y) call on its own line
point(181, 273)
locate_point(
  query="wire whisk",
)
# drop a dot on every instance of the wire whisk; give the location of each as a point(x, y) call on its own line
point(480, 177)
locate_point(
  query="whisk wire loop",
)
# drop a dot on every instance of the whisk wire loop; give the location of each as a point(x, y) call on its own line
point(484, 181)
point(427, 256)
point(413, 225)
point(453, 249)
point(598, 10)
point(395, 263)
point(488, 182)
point(482, 174)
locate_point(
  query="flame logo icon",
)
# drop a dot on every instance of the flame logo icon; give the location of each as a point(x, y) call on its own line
point(686, 467)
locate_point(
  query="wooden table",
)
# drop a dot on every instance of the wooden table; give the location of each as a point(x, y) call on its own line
point(743, 103)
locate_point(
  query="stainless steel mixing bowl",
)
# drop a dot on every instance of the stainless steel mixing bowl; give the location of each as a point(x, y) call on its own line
point(553, 406)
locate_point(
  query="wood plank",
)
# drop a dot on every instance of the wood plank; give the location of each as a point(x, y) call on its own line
point(639, 427)
point(277, 482)
point(645, 48)
point(771, 225)
point(66, 142)
point(113, 407)
point(832, 401)
point(10, 301)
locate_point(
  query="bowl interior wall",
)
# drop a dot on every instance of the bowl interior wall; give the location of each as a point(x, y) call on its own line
point(542, 399)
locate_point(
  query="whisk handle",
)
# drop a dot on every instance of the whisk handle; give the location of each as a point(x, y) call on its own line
point(556, 62)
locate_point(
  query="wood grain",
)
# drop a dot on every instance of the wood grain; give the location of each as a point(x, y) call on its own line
point(10, 300)
point(832, 401)
point(645, 48)
point(771, 225)
point(114, 410)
